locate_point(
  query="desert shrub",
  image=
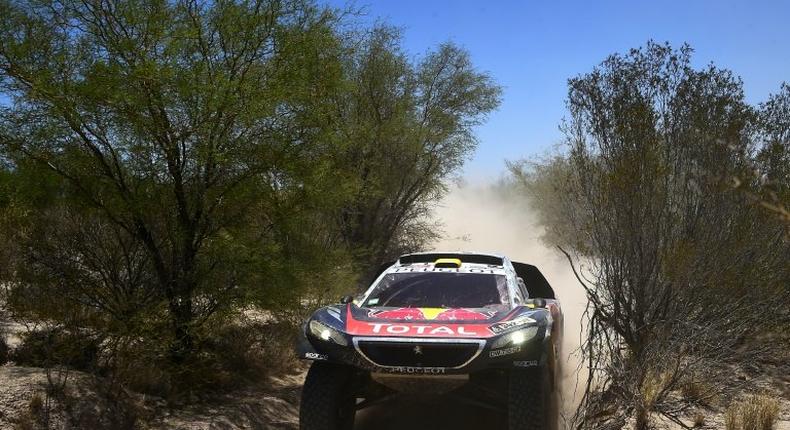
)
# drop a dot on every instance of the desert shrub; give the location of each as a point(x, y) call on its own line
point(238, 354)
point(233, 355)
point(100, 404)
point(649, 137)
point(143, 372)
point(654, 386)
point(694, 388)
point(246, 349)
point(34, 417)
point(757, 412)
point(699, 420)
point(48, 347)
point(36, 404)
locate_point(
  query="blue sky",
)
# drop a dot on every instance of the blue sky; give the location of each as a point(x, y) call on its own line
point(531, 48)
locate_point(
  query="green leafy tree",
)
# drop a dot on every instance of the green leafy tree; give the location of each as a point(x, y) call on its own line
point(407, 127)
point(173, 125)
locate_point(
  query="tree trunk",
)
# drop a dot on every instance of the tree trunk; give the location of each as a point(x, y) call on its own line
point(182, 316)
point(642, 416)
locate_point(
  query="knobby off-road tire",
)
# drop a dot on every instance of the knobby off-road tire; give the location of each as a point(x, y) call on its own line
point(555, 394)
point(529, 399)
point(328, 402)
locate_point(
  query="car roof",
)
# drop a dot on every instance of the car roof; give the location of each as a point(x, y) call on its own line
point(465, 257)
point(536, 283)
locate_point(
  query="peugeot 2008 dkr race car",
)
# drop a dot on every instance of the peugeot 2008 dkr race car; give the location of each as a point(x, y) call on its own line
point(476, 325)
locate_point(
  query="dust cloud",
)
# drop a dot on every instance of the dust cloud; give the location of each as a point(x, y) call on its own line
point(479, 218)
point(482, 218)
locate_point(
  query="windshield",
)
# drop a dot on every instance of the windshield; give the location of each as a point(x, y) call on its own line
point(439, 290)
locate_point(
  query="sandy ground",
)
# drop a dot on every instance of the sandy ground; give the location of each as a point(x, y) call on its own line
point(19, 385)
point(276, 407)
point(402, 413)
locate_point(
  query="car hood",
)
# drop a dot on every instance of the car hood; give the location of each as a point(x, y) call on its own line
point(435, 322)
point(451, 315)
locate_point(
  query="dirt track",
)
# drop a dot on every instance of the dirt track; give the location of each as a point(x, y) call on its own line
point(401, 413)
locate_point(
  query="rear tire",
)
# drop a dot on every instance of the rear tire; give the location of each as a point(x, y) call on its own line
point(328, 401)
point(530, 399)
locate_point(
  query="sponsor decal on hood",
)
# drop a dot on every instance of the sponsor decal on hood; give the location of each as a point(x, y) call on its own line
point(437, 322)
point(427, 314)
point(418, 326)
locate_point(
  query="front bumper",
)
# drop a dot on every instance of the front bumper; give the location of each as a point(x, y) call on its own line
point(427, 356)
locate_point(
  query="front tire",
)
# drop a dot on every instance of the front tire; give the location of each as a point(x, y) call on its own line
point(328, 401)
point(529, 399)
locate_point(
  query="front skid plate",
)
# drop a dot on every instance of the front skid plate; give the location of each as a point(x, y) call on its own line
point(420, 385)
point(486, 390)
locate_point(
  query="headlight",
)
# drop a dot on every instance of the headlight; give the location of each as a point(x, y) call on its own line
point(517, 337)
point(326, 333)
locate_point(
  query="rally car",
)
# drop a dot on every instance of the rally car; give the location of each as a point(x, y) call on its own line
point(474, 325)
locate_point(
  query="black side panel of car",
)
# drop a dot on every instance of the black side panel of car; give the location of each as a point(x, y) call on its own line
point(537, 285)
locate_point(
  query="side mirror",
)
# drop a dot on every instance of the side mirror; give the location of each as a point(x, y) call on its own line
point(538, 303)
point(346, 299)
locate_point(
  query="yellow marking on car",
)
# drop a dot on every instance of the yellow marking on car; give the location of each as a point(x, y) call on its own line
point(431, 313)
point(447, 262)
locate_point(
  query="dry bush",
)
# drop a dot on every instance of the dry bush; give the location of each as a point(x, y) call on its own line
point(233, 355)
point(651, 145)
point(33, 417)
point(696, 389)
point(251, 351)
point(757, 412)
point(137, 364)
point(654, 387)
point(692, 390)
point(699, 420)
point(36, 404)
point(53, 346)
point(654, 384)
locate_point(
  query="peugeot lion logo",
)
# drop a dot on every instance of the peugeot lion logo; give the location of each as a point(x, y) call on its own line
point(417, 350)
